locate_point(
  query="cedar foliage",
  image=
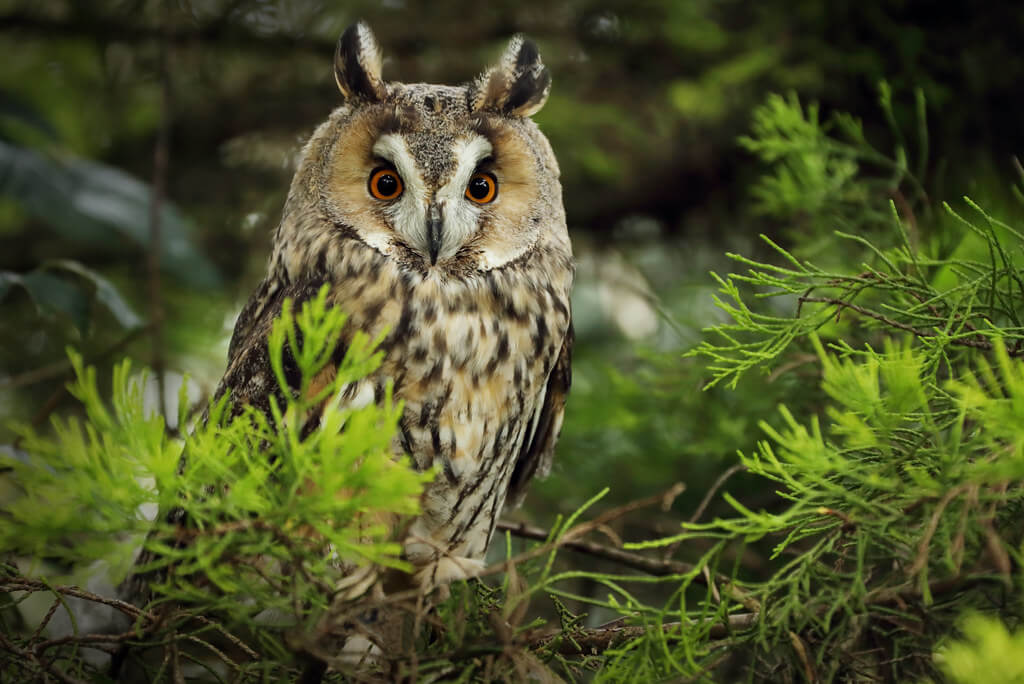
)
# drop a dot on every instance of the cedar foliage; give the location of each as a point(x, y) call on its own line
point(892, 538)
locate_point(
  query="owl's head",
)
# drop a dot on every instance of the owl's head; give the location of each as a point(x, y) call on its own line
point(441, 178)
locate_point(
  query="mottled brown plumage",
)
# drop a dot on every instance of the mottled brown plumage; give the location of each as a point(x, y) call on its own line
point(473, 296)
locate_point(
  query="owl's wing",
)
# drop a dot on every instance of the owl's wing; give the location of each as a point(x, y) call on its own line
point(251, 314)
point(249, 376)
point(535, 457)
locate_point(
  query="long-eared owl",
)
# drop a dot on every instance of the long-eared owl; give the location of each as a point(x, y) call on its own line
point(435, 213)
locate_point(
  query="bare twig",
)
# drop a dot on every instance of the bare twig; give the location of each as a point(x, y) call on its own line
point(29, 656)
point(86, 640)
point(177, 674)
point(57, 603)
point(25, 584)
point(235, 641)
point(738, 468)
point(705, 502)
point(922, 551)
point(161, 153)
point(571, 538)
point(652, 566)
point(801, 651)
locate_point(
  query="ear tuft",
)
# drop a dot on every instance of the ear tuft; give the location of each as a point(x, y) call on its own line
point(517, 85)
point(357, 64)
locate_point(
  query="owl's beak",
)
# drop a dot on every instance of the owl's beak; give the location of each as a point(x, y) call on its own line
point(434, 236)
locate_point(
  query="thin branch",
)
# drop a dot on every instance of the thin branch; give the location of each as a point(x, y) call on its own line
point(238, 643)
point(44, 666)
point(87, 639)
point(592, 641)
point(893, 323)
point(652, 566)
point(26, 584)
point(738, 468)
point(161, 153)
point(58, 368)
point(922, 551)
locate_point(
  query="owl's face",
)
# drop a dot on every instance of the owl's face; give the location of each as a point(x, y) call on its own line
point(441, 178)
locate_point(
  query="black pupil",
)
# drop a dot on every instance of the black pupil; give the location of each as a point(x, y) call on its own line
point(387, 184)
point(479, 188)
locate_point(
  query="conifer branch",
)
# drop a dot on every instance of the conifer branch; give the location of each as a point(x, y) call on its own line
point(972, 342)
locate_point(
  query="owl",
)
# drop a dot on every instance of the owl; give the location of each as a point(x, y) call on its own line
point(434, 214)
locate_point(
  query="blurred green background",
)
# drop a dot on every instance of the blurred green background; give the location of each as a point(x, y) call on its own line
point(208, 101)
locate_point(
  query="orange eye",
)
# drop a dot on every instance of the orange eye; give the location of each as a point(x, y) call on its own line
point(482, 188)
point(385, 184)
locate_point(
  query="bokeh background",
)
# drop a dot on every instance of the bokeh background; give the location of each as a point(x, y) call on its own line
point(109, 108)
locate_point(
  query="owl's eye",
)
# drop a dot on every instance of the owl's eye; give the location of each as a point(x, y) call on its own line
point(482, 188)
point(385, 184)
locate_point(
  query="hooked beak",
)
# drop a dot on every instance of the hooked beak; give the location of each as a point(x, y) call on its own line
point(433, 231)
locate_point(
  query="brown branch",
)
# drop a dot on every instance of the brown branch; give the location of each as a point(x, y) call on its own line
point(652, 566)
point(57, 603)
point(974, 343)
point(570, 538)
point(238, 643)
point(738, 468)
point(904, 594)
point(86, 639)
point(161, 153)
point(922, 550)
point(671, 549)
point(29, 656)
point(593, 641)
point(25, 584)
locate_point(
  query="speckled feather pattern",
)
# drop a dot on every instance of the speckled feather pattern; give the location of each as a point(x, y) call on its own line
point(477, 346)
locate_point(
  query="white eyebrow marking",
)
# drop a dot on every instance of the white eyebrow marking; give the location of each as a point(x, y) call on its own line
point(392, 148)
point(469, 153)
point(461, 217)
point(408, 214)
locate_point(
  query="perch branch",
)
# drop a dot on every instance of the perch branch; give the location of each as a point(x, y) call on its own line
point(592, 641)
point(652, 566)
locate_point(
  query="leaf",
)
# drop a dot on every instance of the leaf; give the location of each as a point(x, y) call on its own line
point(51, 295)
point(105, 293)
point(14, 109)
point(96, 203)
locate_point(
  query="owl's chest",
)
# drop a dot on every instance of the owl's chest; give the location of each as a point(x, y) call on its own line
point(468, 361)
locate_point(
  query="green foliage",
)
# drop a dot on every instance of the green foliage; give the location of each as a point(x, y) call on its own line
point(272, 519)
point(80, 487)
point(987, 652)
point(881, 502)
point(950, 303)
point(898, 501)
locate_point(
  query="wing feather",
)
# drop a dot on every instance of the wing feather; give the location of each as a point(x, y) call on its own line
point(536, 456)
